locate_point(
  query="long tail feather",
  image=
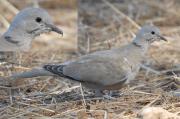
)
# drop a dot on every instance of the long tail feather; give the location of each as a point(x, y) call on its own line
point(32, 73)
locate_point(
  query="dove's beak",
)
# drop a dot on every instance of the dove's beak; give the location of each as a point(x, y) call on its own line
point(161, 37)
point(55, 29)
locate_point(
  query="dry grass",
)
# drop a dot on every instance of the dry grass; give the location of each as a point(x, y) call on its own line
point(100, 27)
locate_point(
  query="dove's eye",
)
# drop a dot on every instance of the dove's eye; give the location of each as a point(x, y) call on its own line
point(152, 32)
point(38, 19)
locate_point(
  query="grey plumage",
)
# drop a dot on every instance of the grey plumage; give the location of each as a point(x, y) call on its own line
point(109, 69)
point(27, 24)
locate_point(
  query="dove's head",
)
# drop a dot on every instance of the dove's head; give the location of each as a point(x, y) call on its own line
point(29, 23)
point(147, 35)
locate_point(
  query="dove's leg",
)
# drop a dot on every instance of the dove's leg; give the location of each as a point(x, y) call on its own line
point(14, 58)
point(150, 70)
point(20, 59)
point(99, 93)
point(115, 93)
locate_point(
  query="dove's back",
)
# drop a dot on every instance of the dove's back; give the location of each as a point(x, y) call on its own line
point(106, 69)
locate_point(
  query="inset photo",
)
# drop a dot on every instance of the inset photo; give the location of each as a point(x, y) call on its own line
point(37, 29)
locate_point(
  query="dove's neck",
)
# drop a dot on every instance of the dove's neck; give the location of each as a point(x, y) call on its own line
point(141, 44)
point(14, 44)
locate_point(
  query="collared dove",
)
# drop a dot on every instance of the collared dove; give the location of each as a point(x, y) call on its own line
point(103, 70)
point(27, 24)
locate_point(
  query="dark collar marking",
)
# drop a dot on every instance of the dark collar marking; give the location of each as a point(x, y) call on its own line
point(9, 39)
point(137, 45)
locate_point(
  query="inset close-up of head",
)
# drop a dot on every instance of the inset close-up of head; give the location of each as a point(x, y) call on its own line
point(28, 23)
point(35, 27)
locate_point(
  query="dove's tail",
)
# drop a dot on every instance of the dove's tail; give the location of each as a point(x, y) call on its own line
point(32, 73)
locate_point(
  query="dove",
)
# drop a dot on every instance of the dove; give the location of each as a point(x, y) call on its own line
point(26, 26)
point(103, 70)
